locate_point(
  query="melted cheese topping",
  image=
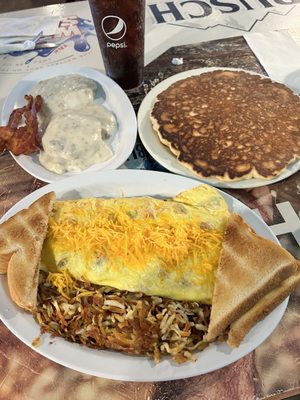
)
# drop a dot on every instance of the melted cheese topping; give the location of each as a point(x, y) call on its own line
point(165, 248)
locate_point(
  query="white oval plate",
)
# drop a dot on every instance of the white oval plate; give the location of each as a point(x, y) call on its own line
point(111, 96)
point(163, 155)
point(111, 364)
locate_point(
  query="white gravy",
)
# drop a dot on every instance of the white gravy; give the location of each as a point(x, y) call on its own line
point(75, 126)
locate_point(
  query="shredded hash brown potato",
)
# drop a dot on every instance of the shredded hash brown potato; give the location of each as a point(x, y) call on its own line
point(105, 318)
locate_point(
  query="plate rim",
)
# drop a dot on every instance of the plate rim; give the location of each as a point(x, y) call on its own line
point(174, 371)
point(128, 137)
point(153, 144)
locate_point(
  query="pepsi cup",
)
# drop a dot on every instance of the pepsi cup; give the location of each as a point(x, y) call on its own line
point(120, 27)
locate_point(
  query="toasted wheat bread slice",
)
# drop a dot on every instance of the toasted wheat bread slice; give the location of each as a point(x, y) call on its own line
point(240, 327)
point(21, 241)
point(250, 266)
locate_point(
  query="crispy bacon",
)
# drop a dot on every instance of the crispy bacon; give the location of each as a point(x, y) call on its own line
point(3, 144)
point(6, 135)
point(22, 139)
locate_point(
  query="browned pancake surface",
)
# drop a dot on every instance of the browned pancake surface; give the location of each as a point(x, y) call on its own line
point(229, 124)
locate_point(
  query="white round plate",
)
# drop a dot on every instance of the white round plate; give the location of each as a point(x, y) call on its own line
point(111, 364)
point(109, 94)
point(163, 155)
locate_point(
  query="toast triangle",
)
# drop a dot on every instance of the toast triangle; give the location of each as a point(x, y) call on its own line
point(240, 327)
point(250, 266)
point(21, 241)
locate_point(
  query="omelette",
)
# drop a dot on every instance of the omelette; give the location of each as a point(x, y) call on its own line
point(168, 248)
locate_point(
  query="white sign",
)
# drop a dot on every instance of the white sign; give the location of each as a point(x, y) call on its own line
point(182, 22)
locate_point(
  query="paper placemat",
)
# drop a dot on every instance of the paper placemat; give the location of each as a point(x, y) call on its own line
point(279, 54)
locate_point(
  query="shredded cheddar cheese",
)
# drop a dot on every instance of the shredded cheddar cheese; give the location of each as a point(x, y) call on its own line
point(63, 282)
point(113, 234)
point(158, 247)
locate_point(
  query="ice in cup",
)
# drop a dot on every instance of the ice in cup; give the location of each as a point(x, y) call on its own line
point(120, 28)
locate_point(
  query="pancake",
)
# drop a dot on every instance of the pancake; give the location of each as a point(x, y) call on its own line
point(229, 125)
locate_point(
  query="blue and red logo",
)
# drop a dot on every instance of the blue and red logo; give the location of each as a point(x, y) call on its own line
point(71, 29)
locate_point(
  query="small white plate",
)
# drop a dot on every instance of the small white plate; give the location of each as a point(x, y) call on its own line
point(109, 94)
point(112, 364)
point(163, 155)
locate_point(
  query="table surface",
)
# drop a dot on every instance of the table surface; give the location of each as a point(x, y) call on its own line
point(272, 370)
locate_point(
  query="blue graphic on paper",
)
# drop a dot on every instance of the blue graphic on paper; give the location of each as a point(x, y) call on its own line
point(141, 159)
point(85, 28)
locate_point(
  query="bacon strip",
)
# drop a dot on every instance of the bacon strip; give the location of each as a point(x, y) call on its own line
point(22, 139)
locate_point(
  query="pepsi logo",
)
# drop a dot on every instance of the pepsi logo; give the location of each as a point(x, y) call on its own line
point(113, 27)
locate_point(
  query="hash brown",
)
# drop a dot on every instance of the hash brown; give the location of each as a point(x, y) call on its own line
point(230, 125)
